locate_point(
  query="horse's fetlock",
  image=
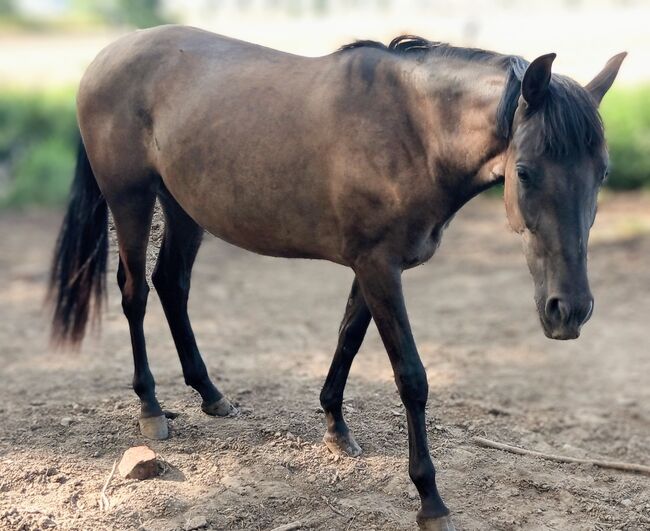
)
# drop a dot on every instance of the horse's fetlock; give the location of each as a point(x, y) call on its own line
point(423, 475)
point(329, 401)
point(143, 385)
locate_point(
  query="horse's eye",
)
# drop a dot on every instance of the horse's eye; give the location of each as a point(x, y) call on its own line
point(524, 175)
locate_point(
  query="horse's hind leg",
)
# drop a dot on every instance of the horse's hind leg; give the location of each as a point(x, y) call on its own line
point(172, 281)
point(351, 333)
point(132, 210)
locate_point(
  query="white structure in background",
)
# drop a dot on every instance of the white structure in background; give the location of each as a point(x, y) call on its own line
point(584, 33)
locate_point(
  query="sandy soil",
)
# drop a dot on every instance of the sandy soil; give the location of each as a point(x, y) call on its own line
point(267, 328)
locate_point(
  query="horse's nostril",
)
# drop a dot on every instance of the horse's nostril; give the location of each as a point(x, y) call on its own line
point(590, 310)
point(557, 310)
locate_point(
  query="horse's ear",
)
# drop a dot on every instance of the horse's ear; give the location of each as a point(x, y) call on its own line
point(537, 77)
point(599, 85)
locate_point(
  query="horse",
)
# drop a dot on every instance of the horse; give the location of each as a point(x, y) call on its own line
point(360, 157)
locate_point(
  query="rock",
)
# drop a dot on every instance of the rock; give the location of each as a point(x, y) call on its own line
point(139, 462)
point(46, 523)
point(198, 522)
point(65, 421)
point(626, 502)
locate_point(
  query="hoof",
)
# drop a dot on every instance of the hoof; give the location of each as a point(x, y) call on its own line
point(154, 427)
point(443, 523)
point(220, 408)
point(342, 444)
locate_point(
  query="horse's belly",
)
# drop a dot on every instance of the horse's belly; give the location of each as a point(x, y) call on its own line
point(269, 219)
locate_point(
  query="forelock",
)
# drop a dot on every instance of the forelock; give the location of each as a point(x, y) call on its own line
point(569, 120)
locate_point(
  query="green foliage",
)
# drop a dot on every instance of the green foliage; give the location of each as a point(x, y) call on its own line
point(7, 7)
point(44, 176)
point(626, 113)
point(85, 14)
point(140, 14)
point(38, 137)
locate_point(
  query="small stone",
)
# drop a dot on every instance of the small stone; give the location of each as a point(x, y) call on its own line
point(626, 502)
point(47, 523)
point(197, 522)
point(139, 462)
point(65, 421)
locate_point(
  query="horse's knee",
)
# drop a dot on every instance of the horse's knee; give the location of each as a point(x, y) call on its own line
point(412, 383)
point(173, 287)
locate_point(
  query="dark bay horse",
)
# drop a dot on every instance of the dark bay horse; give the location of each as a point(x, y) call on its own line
point(361, 157)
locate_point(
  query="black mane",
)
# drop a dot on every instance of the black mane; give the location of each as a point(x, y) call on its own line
point(411, 44)
point(569, 116)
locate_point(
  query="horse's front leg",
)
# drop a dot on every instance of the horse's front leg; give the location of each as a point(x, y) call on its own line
point(382, 290)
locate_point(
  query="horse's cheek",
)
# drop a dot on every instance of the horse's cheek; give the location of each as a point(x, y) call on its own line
point(511, 197)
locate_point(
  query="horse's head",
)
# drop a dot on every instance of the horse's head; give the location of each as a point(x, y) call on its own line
point(555, 165)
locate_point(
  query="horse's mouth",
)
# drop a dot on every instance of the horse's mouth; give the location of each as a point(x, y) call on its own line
point(560, 333)
point(564, 335)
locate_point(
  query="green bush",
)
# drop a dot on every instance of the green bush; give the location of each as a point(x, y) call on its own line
point(626, 113)
point(44, 176)
point(38, 138)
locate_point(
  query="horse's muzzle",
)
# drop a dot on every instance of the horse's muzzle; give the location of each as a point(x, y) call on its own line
point(563, 317)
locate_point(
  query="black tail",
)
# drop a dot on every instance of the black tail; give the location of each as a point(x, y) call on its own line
point(78, 275)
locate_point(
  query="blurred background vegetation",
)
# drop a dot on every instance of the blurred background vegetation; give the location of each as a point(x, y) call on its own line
point(38, 132)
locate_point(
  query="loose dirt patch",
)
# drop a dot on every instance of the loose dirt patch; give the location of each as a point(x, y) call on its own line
point(267, 328)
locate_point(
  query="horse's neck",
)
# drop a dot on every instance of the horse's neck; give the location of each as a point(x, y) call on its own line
point(458, 105)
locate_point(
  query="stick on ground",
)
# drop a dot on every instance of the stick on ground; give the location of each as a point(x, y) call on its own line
point(289, 527)
point(334, 509)
point(614, 465)
point(104, 502)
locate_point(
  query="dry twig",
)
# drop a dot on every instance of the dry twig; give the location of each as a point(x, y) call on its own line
point(334, 509)
point(104, 502)
point(289, 527)
point(615, 465)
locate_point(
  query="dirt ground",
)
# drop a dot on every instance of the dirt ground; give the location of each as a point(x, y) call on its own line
point(267, 328)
